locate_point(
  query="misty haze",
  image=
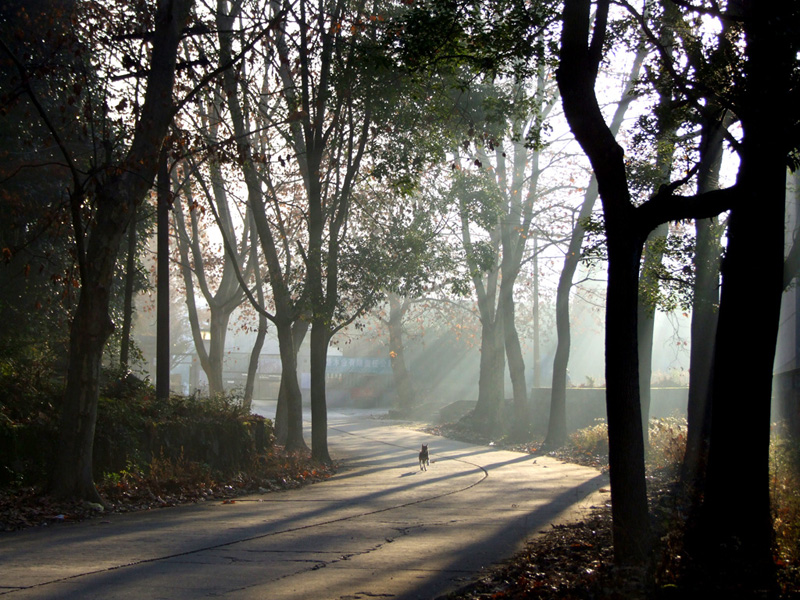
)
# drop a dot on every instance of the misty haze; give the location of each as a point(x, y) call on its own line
point(414, 299)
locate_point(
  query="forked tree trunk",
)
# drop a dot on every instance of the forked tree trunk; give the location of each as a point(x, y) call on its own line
point(581, 44)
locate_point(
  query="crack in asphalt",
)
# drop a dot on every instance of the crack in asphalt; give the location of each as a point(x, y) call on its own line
point(319, 565)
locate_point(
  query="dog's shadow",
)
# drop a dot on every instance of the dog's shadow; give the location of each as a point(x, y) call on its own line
point(410, 473)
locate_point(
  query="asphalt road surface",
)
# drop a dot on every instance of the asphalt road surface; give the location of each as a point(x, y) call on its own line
point(380, 528)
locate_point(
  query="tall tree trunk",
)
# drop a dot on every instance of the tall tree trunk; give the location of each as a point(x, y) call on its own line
point(631, 527)
point(492, 359)
point(91, 326)
point(708, 252)
point(130, 276)
point(491, 374)
point(537, 352)
point(520, 428)
point(703, 332)
point(261, 333)
point(289, 412)
point(252, 366)
point(319, 408)
point(557, 424)
point(581, 50)
point(217, 332)
point(655, 245)
point(741, 547)
point(163, 354)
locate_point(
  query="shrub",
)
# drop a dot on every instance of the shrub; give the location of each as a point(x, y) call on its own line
point(28, 418)
point(667, 443)
point(591, 441)
point(133, 427)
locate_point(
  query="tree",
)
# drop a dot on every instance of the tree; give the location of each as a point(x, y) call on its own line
point(626, 228)
point(274, 222)
point(478, 205)
point(97, 249)
point(404, 388)
point(768, 116)
point(705, 300)
point(339, 97)
point(667, 119)
point(206, 268)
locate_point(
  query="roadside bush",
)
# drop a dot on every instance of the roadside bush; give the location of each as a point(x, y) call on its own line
point(134, 430)
point(667, 442)
point(28, 418)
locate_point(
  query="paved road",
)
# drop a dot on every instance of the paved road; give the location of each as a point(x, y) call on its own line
point(380, 528)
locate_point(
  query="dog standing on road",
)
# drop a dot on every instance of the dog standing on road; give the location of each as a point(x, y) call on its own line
point(424, 459)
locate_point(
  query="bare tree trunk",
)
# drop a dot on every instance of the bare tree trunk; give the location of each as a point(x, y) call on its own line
point(741, 547)
point(91, 327)
point(218, 331)
point(708, 252)
point(576, 77)
point(520, 428)
point(631, 526)
point(163, 354)
point(289, 412)
point(319, 408)
point(252, 367)
point(492, 360)
point(649, 280)
point(537, 353)
point(648, 288)
point(490, 379)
